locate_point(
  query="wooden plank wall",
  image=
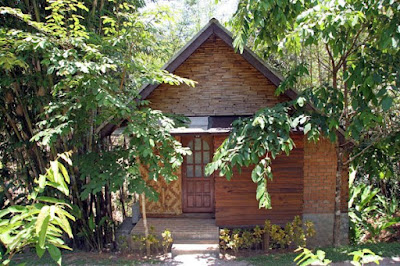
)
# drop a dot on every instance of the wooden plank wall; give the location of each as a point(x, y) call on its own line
point(235, 200)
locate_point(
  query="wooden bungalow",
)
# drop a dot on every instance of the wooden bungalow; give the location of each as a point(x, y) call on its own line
point(232, 85)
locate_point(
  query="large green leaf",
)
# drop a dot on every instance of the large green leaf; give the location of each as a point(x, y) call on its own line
point(39, 251)
point(387, 102)
point(42, 223)
point(55, 253)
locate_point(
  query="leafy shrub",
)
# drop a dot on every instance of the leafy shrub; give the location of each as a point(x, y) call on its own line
point(122, 242)
point(42, 222)
point(167, 240)
point(224, 237)
point(360, 257)
point(236, 240)
point(307, 257)
point(139, 241)
point(371, 214)
point(247, 239)
point(294, 234)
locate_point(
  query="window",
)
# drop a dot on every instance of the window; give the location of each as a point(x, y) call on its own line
point(196, 162)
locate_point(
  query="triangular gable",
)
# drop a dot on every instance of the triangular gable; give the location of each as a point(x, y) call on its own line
point(214, 27)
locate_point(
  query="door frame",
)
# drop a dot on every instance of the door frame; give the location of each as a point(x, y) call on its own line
point(185, 139)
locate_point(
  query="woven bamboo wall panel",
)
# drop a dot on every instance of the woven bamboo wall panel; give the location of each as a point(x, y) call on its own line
point(170, 195)
point(169, 200)
point(227, 85)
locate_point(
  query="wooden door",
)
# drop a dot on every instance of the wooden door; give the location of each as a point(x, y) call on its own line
point(197, 188)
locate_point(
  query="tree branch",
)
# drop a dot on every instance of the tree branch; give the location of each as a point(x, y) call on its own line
point(343, 58)
point(330, 57)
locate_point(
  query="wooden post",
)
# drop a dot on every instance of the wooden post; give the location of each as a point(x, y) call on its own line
point(266, 241)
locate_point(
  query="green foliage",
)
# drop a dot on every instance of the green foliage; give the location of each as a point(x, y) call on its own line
point(42, 222)
point(167, 240)
point(257, 141)
point(224, 237)
point(371, 213)
point(309, 258)
point(357, 46)
point(68, 71)
point(295, 233)
point(364, 256)
point(360, 257)
point(336, 254)
point(236, 240)
point(247, 239)
point(154, 241)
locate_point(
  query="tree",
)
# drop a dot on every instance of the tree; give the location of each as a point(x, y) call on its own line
point(69, 70)
point(355, 104)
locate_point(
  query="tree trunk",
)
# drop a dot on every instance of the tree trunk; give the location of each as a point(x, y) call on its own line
point(122, 200)
point(146, 228)
point(338, 194)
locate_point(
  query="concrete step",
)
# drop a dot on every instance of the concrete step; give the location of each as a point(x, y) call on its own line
point(196, 235)
point(202, 246)
point(196, 241)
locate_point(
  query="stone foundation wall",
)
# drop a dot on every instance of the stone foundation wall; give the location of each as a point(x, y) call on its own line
point(323, 223)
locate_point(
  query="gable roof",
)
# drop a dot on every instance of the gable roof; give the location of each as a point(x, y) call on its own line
point(214, 27)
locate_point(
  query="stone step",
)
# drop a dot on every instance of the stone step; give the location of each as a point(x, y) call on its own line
point(185, 247)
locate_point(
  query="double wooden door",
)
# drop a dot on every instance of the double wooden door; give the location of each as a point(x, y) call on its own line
point(197, 188)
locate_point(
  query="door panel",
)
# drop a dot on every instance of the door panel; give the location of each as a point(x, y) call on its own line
point(197, 188)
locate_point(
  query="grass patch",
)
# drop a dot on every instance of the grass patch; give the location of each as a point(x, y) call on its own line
point(335, 254)
point(272, 259)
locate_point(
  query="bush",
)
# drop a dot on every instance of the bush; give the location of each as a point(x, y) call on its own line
point(373, 217)
point(167, 240)
point(272, 236)
point(138, 242)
